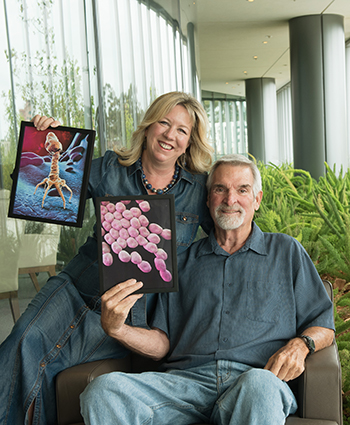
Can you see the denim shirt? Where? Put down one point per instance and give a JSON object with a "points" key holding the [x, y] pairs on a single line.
{"points": [[109, 177], [241, 307]]}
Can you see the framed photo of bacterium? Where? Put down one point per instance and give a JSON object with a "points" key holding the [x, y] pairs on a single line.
{"points": [[51, 174], [136, 239]]}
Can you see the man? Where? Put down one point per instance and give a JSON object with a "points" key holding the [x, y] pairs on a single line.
{"points": [[250, 308]]}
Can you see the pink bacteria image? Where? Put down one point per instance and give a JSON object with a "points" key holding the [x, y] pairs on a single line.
{"points": [[145, 266], [129, 237], [155, 228], [124, 256], [166, 234], [165, 275], [145, 206], [107, 259], [136, 257]]}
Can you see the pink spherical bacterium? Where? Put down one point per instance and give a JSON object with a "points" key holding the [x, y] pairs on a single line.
{"points": [[152, 237], [114, 233], [151, 247], [125, 222], [109, 239], [145, 266], [103, 209], [105, 248], [123, 233], [136, 212], [122, 242], [111, 207], [143, 221], [116, 247], [135, 257], [135, 222], [116, 224], [127, 214], [133, 232], [141, 240], [144, 205], [166, 234], [120, 207], [161, 254], [107, 259], [109, 217], [139, 201], [117, 215], [144, 232], [126, 202], [160, 264], [103, 232], [165, 275], [155, 228], [124, 256], [132, 243], [105, 203], [107, 226]]}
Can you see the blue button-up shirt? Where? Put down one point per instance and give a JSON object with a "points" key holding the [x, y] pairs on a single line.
{"points": [[241, 307]]}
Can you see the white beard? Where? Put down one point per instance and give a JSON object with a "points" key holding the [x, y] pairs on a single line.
{"points": [[228, 222]]}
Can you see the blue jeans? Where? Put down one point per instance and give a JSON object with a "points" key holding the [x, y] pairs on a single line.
{"points": [[222, 392], [58, 330]]}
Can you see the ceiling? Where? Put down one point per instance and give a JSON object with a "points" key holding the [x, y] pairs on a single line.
{"points": [[240, 39]]}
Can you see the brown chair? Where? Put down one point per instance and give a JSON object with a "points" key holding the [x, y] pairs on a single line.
{"points": [[318, 389]]}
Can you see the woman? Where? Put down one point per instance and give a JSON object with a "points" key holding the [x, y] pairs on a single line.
{"points": [[61, 326]]}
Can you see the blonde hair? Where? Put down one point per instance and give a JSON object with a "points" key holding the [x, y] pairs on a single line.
{"points": [[198, 155]]}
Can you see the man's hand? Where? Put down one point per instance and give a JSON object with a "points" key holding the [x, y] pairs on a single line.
{"points": [[289, 361], [116, 304], [41, 122]]}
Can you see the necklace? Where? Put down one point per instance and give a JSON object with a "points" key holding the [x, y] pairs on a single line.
{"points": [[166, 188]]}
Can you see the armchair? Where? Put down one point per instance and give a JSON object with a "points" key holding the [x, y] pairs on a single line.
{"points": [[318, 389]]}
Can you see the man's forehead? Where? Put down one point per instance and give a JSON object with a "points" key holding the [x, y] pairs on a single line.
{"points": [[227, 173]]}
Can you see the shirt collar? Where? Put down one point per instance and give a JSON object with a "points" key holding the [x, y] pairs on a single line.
{"points": [[255, 242], [186, 175]]}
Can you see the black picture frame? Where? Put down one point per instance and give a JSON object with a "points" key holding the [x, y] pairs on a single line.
{"points": [[158, 212], [33, 197]]}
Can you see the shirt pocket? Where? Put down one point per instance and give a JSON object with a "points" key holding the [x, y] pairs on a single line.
{"points": [[263, 301], [186, 228]]}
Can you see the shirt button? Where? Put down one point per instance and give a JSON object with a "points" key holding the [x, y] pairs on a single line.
{"points": [[184, 218], [227, 312], [225, 339]]}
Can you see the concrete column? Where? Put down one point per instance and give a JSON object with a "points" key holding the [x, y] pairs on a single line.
{"points": [[317, 54], [262, 119]]}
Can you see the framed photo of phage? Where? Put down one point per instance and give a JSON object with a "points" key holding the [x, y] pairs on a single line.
{"points": [[137, 239], [51, 174]]}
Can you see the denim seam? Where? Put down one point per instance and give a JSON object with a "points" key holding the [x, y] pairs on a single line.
{"points": [[16, 364], [54, 352]]}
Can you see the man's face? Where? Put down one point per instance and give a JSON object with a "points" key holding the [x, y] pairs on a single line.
{"points": [[231, 201]]}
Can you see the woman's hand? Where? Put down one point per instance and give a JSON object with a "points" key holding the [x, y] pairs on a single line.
{"points": [[41, 122]]}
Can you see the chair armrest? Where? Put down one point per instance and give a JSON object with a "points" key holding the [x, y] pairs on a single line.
{"points": [[319, 387], [71, 382]]}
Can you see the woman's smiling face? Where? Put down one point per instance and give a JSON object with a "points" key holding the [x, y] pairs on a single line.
{"points": [[168, 138]]}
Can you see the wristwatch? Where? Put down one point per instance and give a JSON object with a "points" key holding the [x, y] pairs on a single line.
{"points": [[309, 343]]}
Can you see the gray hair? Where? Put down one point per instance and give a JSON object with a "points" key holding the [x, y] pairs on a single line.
{"points": [[237, 160]]}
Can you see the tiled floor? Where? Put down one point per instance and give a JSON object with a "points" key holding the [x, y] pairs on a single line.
{"points": [[26, 292]]}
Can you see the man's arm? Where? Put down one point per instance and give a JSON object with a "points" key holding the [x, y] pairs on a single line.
{"points": [[289, 361], [115, 306]]}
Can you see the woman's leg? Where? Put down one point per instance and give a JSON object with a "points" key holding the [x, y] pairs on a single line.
{"points": [[56, 331]]}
